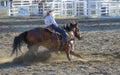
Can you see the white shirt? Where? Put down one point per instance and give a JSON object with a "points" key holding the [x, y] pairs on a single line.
{"points": [[49, 20]]}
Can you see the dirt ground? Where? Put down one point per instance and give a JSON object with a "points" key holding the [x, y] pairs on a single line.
{"points": [[100, 49]]}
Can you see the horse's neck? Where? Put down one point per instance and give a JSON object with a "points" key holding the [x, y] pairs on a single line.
{"points": [[71, 34], [68, 30]]}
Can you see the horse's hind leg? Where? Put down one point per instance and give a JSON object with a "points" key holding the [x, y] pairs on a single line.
{"points": [[75, 54], [33, 49]]}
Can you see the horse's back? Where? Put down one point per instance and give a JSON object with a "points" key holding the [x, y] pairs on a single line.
{"points": [[43, 36], [35, 35], [36, 29], [39, 29], [39, 34]]}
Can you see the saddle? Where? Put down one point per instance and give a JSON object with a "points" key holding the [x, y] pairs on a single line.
{"points": [[52, 30], [49, 28]]}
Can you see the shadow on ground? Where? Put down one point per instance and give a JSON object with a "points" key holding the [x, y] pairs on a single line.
{"points": [[27, 59], [44, 57]]}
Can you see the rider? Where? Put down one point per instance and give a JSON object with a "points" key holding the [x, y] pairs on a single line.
{"points": [[50, 21]]}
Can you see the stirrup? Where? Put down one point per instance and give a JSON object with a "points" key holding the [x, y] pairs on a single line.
{"points": [[70, 40]]}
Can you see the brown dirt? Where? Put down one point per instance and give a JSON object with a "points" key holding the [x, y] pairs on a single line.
{"points": [[100, 51]]}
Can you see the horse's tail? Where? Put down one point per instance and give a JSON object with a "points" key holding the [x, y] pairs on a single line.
{"points": [[18, 41]]}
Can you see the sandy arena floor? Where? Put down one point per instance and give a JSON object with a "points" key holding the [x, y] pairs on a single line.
{"points": [[99, 48]]}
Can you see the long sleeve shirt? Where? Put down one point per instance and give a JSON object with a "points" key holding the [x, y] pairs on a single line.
{"points": [[49, 20]]}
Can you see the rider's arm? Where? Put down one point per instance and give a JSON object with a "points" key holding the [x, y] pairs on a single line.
{"points": [[52, 20]]}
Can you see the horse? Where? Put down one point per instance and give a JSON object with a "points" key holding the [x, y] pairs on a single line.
{"points": [[43, 36]]}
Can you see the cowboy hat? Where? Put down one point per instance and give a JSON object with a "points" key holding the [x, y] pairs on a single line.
{"points": [[50, 9]]}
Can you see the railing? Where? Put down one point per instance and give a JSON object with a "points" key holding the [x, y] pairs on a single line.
{"points": [[103, 9], [14, 8], [69, 9]]}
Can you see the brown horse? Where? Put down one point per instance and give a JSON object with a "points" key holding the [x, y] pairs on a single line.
{"points": [[44, 37]]}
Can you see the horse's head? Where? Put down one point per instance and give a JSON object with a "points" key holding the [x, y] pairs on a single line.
{"points": [[75, 29]]}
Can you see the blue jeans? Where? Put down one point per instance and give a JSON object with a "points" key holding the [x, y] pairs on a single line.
{"points": [[61, 31]]}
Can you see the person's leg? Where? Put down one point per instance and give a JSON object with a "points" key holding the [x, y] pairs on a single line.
{"points": [[61, 31]]}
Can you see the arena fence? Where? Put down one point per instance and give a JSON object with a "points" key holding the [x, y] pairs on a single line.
{"points": [[66, 9]]}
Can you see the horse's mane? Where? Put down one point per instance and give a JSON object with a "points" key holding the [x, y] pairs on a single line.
{"points": [[69, 26]]}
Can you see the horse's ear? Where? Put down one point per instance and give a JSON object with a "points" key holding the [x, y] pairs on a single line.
{"points": [[75, 24], [67, 25], [71, 24]]}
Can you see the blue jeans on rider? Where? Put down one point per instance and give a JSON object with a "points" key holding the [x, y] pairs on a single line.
{"points": [[61, 31]]}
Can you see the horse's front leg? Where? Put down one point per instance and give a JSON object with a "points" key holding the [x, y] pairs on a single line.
{"points": [[68, 55], [72, 48], [72, 51], [68, 48], [75, 54]]}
